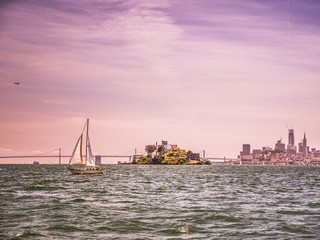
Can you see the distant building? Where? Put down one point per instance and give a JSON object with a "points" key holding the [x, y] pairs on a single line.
{"points": [[267, 149], [169, 147], [137, 158], [316, 154], [256, 152], [291, 149], [174, 147], [247, 158], [166, 146], [280, 146], [291, 137], [98, 160], [300, 146], [246, 149], [304, 146], [245, 154], [193, 156]]}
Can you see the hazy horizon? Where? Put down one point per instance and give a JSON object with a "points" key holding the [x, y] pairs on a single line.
{"points": [[206, 75]]}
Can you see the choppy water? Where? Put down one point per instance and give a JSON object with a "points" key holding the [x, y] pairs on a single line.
{"points": [[160, 202]]}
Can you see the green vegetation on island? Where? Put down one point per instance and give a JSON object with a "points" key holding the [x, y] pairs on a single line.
{"points": [[169, 154]]}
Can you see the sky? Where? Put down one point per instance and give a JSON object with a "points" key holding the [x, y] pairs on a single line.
{"points": [[204, 74]]}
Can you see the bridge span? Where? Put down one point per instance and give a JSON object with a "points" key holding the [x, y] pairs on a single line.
{"points": [[129, 157]]}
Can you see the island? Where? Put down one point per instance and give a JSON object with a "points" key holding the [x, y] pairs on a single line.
{"points": [[169, 154]]}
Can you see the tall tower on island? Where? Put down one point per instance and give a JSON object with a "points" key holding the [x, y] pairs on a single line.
{"points": [[304, 146]]}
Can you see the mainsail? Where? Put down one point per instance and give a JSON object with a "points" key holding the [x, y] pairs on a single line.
{"points": [[89, 158], [76, 157]]}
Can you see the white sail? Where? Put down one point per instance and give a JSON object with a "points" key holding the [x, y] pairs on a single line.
{"points": [[89, 159], [76, 157]]}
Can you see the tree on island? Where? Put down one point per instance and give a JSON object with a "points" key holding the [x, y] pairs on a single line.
{"points": [[160, 149], [150, 148]]}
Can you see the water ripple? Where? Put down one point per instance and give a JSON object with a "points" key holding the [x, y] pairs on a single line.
{"points": [[160, 202]]}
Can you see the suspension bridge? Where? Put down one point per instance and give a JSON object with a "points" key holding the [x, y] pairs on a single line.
{"points": [[56, 153]]}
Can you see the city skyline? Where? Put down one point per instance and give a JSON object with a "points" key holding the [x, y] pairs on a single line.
{"points": [[280, 155], [290, 148], [207, 75]]}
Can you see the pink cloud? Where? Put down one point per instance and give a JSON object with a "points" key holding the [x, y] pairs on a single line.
{"points": [[206, 75]]}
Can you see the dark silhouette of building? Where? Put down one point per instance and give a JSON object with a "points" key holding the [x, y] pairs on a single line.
{"points": [[280, 146], [193, 156], [256, 152], [266, 149], [246, 149], [291, 137], [291, 149], [304, 146], [301, 147], [245, 154]]}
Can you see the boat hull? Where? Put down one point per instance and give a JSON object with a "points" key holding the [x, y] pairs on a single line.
{"points": [[87, 171]]}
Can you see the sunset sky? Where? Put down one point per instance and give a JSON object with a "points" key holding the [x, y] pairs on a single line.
{"points": [[203, 74]]}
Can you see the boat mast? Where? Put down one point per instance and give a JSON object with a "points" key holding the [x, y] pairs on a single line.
{"points": [[87, 140]]}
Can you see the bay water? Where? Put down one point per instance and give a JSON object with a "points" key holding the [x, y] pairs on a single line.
{"points": [[160, 202]]}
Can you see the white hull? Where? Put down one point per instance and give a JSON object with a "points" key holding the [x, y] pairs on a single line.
{"points": [[87, 171]]}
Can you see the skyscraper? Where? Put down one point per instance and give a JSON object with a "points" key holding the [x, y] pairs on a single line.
{"points": [[291, 149], [304, 146], [245, 154], [291, 137], [246, 149]]}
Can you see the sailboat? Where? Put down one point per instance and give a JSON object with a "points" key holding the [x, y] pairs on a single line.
{"points": [[79, 164]]}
